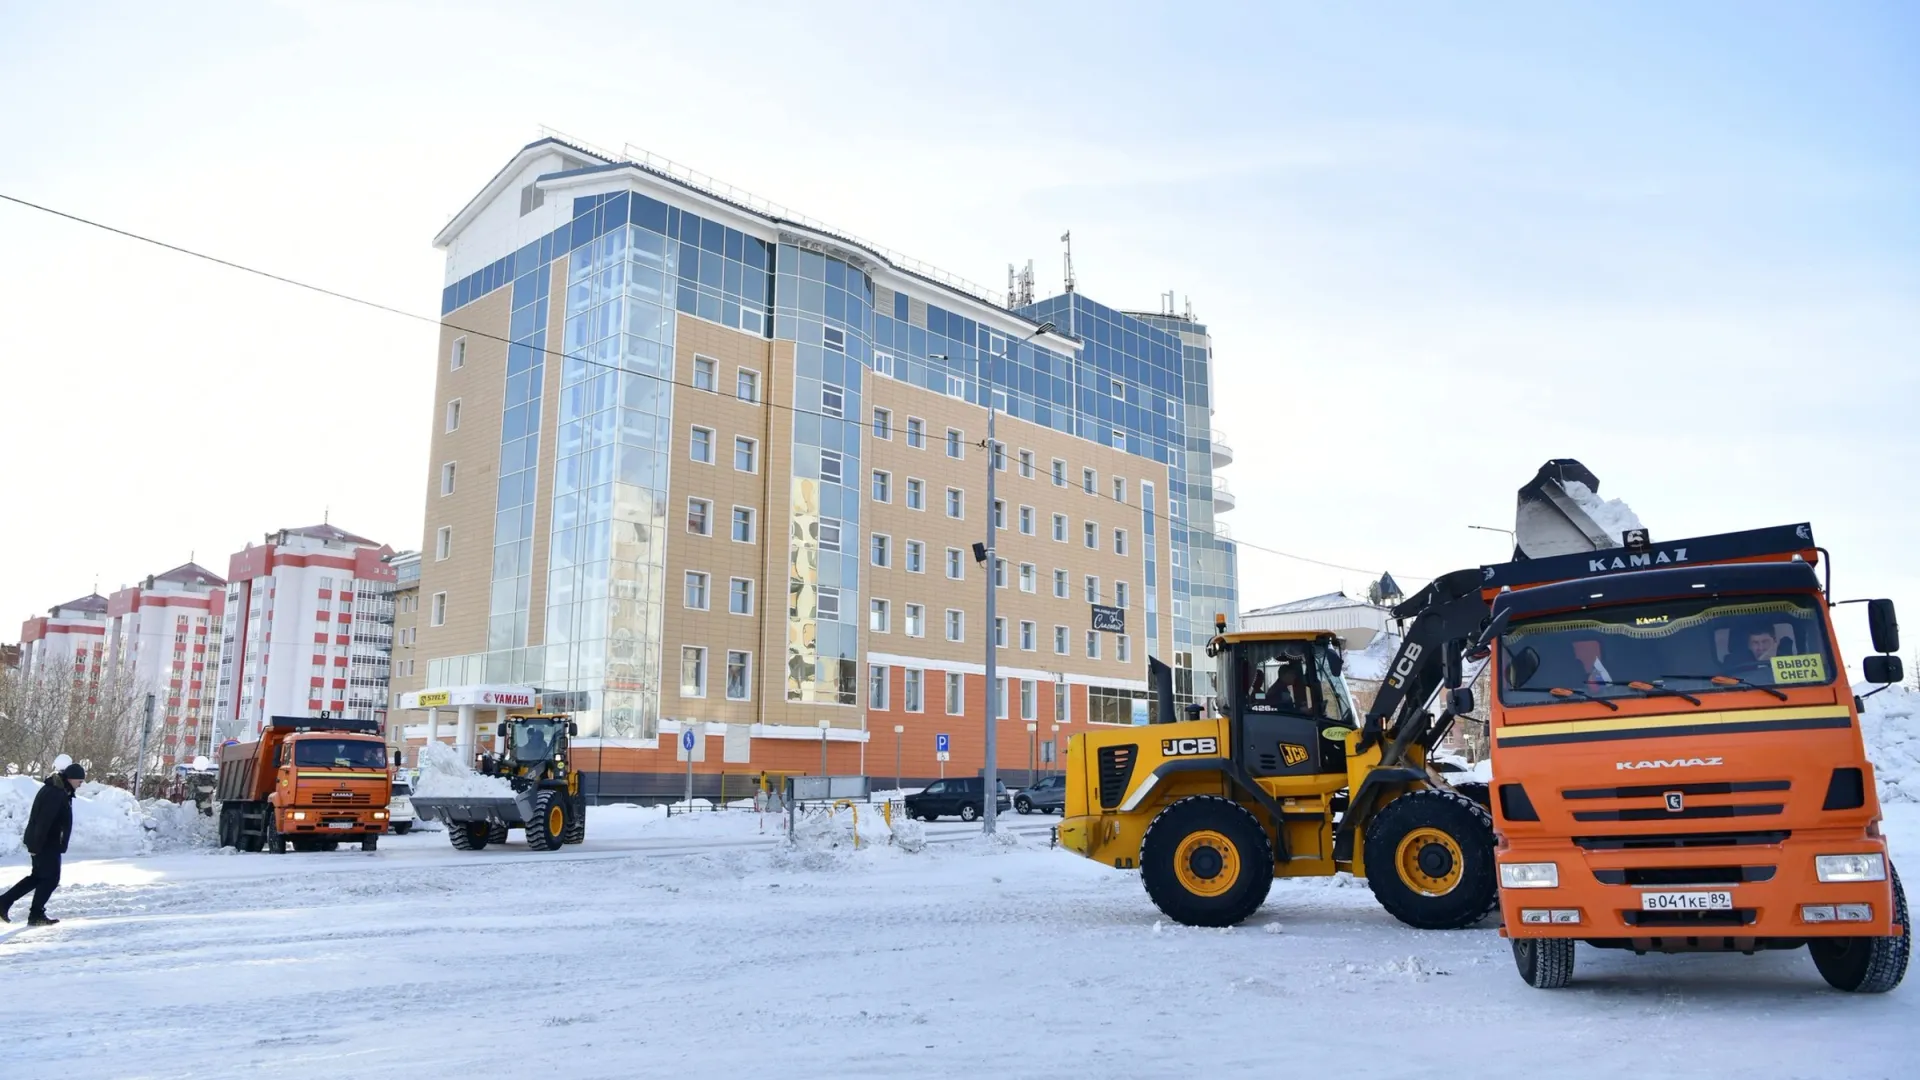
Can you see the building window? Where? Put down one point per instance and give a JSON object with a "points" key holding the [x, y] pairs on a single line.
{"points": [[700, 445], [832, 467], [1000, 633], [1026, 520], [1093, 589], [833, 401], [1027, 695], [916, 621], [739, 675], [706, 374], [743, 525], [956, 503], [829, 534], [828, 604], [1060, 527], [453, 415], [1060, 640], [746, 386], [877, 687], [1119, 490], [1000, 456], [1119, 541], [1000, 698], [1060, 583], [1029, 578], [916, 433], [999, 573], [1091, 534], [745, 454], [916, 494], [740, 596], [956, 388], [700, 517], [1026, 464], [1087, 480], [916, 696], [879, 616], [882, 486], [1119, 594], [999, 513], [693, 671], [446, 478], [834, 338], [956, 567], [439, 611], [916, 557], [882, 424], [457, 356], [1119, 439], [956, 693], [954, 447], [1059, 473], [1120, 647], [883, 364], [882, 550], [1061, 695], [443, 543], [1029, 636], [956, 625], [1093, 644], [696, 590]]}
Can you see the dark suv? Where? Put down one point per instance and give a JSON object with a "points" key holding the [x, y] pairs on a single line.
{"points": [[958, 797], [1047, 795]]}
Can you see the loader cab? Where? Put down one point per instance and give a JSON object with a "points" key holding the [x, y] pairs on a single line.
{"points": [[1286, 700]]}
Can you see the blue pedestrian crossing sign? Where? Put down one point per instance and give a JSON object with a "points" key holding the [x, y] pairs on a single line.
{"points": [[686, 739], [941, 744]]}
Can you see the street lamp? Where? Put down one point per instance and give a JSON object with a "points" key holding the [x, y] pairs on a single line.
{"points": [[1033, 750], [824, 725], [898, 730], [1056, 744]]}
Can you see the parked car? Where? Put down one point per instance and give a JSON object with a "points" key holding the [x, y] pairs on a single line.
{"points": [[960, 796], [400, 808], [1047, 795]]}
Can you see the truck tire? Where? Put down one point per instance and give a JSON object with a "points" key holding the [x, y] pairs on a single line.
{"points": [[1206, 861], [547, 828], [1867, 965], [1430, 860], [370, 842], [1546, 963], [402, 828], [467, 835], [275, 840], [229, 835], [577, 823]]}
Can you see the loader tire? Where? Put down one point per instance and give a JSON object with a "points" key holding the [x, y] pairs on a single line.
{"points": [[1867, 965], [547, 828], [1546, 963], [577, 823], [1206, 861], [468, 835], [1430, 860], [496, 834]]}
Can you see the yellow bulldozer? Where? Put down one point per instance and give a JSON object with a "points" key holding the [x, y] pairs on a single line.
{"points": [[1290, 780]]}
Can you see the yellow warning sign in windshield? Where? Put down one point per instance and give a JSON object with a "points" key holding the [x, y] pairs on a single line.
{"points": [[1799, 669]]}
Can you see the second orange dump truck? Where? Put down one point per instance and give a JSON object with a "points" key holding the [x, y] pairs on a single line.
{"points": [[308, 783]]}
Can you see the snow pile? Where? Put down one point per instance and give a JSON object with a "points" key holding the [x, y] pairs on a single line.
{"points": [[1613, 516], [908, 835], [106, 820], [1891, 727], [179, 825], [444, 775]]}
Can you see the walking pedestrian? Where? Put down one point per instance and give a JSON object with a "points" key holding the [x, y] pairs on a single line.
{"points": [[49, 826]]}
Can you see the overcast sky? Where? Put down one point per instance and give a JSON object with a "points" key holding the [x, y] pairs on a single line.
{"points": [[1436, 244]]}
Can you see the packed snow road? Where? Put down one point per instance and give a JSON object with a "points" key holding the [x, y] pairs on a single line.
{"points": [[701, 946]]}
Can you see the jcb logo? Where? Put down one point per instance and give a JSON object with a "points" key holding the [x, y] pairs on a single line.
{"points": [[1292, 753], [1403, 667], [1189, 747]]}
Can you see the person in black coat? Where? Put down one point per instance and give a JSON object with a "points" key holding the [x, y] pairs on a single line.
{"points": [[49, 826]]}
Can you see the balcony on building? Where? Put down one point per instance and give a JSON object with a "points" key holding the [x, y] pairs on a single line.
{"points": [[1223, 499], [1222, 451]]}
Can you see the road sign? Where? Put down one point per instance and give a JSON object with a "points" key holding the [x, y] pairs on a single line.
{"points": [[942, 744], [686, 739], [941, 755]]}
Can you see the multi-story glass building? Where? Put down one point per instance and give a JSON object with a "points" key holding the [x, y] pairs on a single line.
{"points": [[702, 463]]}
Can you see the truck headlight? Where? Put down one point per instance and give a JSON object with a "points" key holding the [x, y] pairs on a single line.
{"points": [[301, 815], [1850, 867], [379, 814], [1529, 875]]}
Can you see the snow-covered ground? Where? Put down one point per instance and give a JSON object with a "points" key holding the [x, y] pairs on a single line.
{"points": [[702, 945]]}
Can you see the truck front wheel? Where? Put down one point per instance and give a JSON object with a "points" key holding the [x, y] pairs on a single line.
{"points": [[1206, 861], [275, 839], [1546, 963], [1867, 965]]}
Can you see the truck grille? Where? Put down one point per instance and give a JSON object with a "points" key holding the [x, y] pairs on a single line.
{"points": [[1116, 769], [1661, 813], [1688, 919], [1682, 840], [1655, 791], [1685, 875], [349, 798]]}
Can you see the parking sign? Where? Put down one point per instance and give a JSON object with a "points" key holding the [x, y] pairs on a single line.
{"points": [[941, 744]]}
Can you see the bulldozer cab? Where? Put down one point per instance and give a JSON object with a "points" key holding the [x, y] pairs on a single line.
{"points": [[534, 748], [1286, 701]]}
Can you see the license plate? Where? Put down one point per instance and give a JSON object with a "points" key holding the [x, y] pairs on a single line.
{"points": [[339, 824], [1718, 900]]}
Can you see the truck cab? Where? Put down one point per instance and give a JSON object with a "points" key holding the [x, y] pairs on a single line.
{"points": [[1678, 762]]}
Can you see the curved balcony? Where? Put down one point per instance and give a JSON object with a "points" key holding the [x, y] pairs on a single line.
{"points": [[1222, 451], [1223, 499]]}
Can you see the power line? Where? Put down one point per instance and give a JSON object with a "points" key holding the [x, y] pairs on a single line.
{"points": [[542, 349]]}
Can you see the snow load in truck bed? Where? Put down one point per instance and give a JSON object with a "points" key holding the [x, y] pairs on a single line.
{"points": [[443, 775]]}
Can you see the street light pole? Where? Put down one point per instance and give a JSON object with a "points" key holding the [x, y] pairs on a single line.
{"points": [[898, 730], [824, 725]]}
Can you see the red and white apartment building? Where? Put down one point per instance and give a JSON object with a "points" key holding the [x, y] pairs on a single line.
{"points": [[72, 635], [165, 633], [308, 629]]}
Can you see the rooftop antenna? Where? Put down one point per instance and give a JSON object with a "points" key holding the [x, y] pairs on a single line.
{"points": [[1067, 239], [1026, 285], [1189, 309], [1013, 288], [1167, 298]]}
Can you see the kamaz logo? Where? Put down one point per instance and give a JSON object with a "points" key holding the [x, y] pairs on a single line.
{"points": [[1670, 763], [1637, 561], [1403, 667], [1189, 747]]}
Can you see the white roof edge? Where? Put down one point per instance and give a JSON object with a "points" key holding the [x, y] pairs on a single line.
{"points": [[493, 187]]}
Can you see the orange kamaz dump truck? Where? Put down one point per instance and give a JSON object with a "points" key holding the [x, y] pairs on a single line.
{"points": [[308, 782], [1677, 757]]}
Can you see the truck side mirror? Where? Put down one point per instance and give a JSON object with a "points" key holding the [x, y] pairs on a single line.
{"points": [[1460, 700], [1884, 626], [573, 729], [399, 759], [1883, 670]]}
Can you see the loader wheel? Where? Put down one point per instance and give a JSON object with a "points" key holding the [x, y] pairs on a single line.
{"points": [[577, 824], [547, 828], [468, 835], [496, 834], [1430, 860], [1206, 861], [1546, 963], [1867, 965]]}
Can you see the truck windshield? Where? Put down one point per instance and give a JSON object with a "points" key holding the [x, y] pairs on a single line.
{"points": [[340, 754], [1657, 648]]}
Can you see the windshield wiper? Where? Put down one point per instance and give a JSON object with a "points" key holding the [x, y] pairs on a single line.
{"points": [[1732, 680], [1561, 691], [1650, 688]]}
